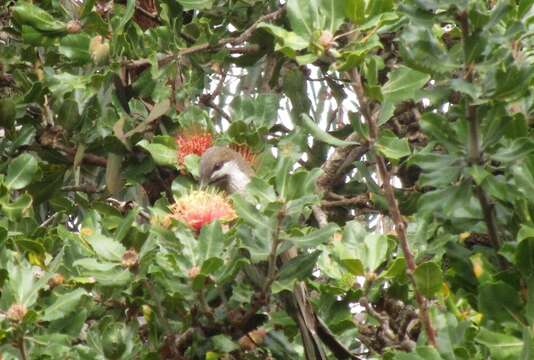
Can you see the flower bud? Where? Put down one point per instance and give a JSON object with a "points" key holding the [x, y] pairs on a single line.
{"points": [[99, 49], [130, 259], [56, 280], [326, 39], [251, 340], [74, 27], [16, 312], [193, 272]]}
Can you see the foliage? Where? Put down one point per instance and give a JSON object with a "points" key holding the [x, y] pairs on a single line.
{"points": [[392, 151]]}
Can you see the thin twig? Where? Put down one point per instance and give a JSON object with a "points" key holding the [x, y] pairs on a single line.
{"points": [[394, 211], [49, 220]]}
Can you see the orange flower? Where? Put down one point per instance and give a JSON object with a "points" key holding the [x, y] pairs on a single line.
{"points": [[193, 141], [202, 207], [245, 151]]}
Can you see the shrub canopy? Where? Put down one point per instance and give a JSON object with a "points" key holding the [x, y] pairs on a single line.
{"points": [[391, 215]]}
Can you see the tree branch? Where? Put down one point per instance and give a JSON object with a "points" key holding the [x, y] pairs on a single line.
{"points": [[400, 226], [208, 46]]}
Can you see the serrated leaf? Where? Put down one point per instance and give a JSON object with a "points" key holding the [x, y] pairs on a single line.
{"points": [[64, 305], [428, 278], [316, 237], [392, 147], [105, 247]]}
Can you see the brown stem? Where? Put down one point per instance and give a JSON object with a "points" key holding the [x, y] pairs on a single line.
{"points": [[474, 151], [393, 206], [22, 348], [361, 200], [208, 46]]}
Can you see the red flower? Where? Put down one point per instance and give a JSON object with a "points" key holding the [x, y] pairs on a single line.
{"points": [[245, 151], [202, 207], [193, 141]]}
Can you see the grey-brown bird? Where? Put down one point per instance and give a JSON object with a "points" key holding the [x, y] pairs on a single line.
{"points": [[226, 169]]}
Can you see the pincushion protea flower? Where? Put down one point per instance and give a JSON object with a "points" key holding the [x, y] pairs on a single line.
{"points": [[193, 140], [200, 208], [245, 151]]}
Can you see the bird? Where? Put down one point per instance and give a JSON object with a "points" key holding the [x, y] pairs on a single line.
{"points": [[227, 170]]}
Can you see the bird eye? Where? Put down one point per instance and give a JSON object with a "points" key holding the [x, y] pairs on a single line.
{"points": [[217, 166]]}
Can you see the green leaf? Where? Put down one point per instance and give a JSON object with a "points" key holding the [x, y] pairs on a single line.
{"points": [[321, 135], [162, 155], [315, 237], [211, 241], [392, 147], [288, 40], [355, 11], [428, 278], [249, 214], [63, 305], [93, 264], [501, 346], [402, 85], [126, 225], [283, 167], [518, 149], [396, 270], [21, 171], [105, 247], [499, 301], [304, 17], [529, 311], [528, 344], [128, 13], [76, 48], [525, 255], [20, 207], [354, 266], [196, 4], [223, 343], [192, 164], [26, 13], [261, 110], [299, 267], [375, 250]]}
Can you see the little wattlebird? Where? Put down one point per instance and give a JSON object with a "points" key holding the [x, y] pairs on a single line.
{"points": [[226, 169]]}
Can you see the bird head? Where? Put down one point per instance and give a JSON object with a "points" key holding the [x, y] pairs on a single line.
{"points": [[224, 168]]}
